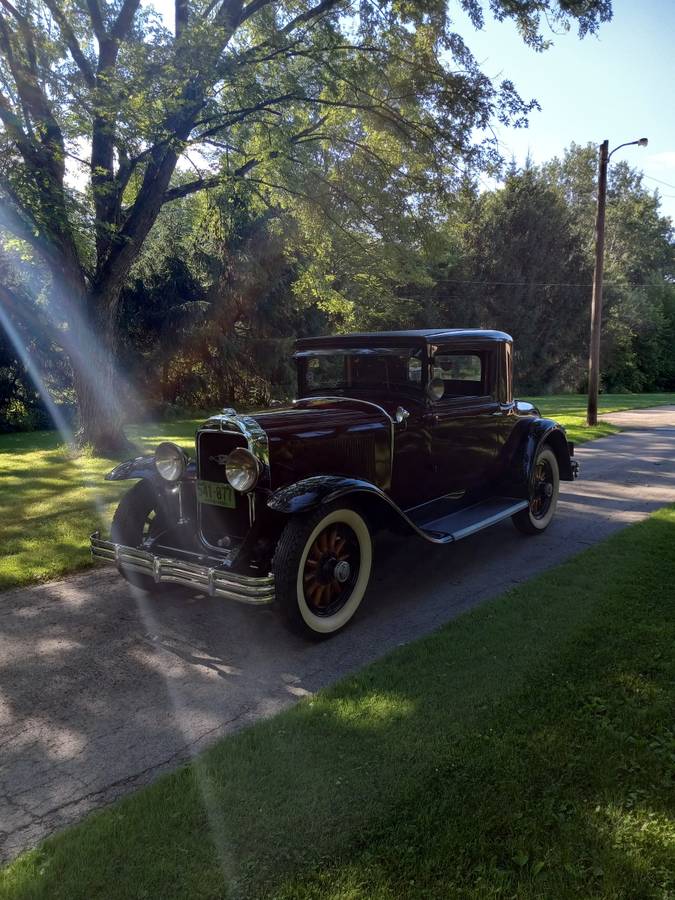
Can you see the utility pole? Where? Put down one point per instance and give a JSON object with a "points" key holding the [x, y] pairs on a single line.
{"points": [[596, 301]]}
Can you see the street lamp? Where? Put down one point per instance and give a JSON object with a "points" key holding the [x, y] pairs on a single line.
{"points": [[596, 302]]}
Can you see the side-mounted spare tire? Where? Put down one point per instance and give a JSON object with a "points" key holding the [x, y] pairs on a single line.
{"points": [[322, 567]]}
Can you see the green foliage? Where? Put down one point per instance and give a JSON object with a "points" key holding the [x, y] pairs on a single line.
{"points": [[525, 272], [362, 116], [639, 290]]}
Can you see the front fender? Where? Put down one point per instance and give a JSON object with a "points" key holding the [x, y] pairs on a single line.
{"points": [[381, 509], [318, 489], [144, 467], [140, 467]]}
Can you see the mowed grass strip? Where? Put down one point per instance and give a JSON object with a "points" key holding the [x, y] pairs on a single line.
{"points": [[51, 501], [524, 750], [570, 411]]}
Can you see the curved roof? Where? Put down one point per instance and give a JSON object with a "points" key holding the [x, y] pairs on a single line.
{"points": [[412, 336]]}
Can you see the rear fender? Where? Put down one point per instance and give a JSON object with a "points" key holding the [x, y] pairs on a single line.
{"points": [[529, 439]]}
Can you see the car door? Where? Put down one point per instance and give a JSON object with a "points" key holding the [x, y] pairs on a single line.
{"points": [[465, 422]]}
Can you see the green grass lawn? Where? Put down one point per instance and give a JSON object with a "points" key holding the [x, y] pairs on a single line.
{"points": [[524, 750], [570, 411], [51, 502]]}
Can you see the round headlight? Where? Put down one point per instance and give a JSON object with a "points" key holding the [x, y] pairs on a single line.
{"points": [[242, 470], [170, 461]]}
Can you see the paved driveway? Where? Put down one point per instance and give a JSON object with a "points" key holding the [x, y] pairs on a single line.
{"points": [[101, 691]]}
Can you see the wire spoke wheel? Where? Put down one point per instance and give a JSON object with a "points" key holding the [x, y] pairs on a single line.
{"points": [[331, 569]]}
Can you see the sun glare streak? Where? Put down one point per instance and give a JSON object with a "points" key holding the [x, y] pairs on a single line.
{"points": [[181, 716], [145, 613], [56, 415], [72, 332]]}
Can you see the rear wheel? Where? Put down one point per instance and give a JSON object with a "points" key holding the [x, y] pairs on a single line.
{"points": [[544, 491], [322, 568], [136, 519]]}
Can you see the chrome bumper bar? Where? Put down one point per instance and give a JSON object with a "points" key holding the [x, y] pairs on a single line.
{"points": [[209, 580]]}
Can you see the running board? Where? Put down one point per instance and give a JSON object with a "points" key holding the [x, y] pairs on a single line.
{"points": [[471, 519]]}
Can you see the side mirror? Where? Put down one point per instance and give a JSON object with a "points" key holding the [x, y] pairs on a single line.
{"points": [[436, 389]]}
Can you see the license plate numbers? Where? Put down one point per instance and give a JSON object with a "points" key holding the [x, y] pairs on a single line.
{"points": [[215, 494]]}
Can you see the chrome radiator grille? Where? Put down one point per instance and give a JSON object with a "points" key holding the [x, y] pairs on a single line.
{"points": [[218, 522]]}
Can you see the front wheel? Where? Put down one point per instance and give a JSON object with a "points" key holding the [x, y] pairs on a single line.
{"points": [[137, 519], [321, 569], [544, 491]]}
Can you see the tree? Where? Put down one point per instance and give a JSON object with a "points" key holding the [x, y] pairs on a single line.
{"points": [[639, 267], [248, 83], [524, 272]]}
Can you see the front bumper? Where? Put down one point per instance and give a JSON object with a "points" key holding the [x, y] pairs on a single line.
{"points": [[213, 580]]}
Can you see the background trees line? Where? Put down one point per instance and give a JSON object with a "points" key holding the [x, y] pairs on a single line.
{"points": [[110, 113], [178, 198], [226, 281]]}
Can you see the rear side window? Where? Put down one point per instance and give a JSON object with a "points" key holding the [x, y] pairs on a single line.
{"points": [[463, 374]]}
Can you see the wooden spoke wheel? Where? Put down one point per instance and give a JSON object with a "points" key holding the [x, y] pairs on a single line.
{"points": [[321, 569], [331, 569], [544, 489]]}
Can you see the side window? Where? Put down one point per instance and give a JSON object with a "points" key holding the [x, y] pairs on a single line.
{"points": [[464, 374], [505, 388]]}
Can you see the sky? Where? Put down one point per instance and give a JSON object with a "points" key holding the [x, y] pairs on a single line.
{"points": [[618, 85]]}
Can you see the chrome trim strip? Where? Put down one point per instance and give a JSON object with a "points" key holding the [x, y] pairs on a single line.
{"points": [[212, 580]]}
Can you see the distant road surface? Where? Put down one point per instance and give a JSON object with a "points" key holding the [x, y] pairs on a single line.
{"points": [[101, 691]]}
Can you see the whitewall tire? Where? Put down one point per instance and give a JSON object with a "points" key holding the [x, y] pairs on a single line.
{"points": [[322, 567]]}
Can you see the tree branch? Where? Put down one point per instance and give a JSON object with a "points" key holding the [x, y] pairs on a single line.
{"points": [[192, 187], [124, 20], [24, 27], [252, 8], [71, 40], [29, 151], [96, 20], [36, 106], [308, 15], [200, 184]]}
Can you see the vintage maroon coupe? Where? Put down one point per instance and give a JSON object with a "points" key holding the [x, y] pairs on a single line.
{"points": [[416, 431]]}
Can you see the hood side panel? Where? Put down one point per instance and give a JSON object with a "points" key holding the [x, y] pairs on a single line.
{"points": [[341, 439]]}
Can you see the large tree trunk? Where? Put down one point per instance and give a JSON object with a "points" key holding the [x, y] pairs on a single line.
{"points": [[99, 387]]}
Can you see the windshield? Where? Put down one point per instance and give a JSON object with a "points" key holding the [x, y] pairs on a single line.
{"points": [[354, 369]]}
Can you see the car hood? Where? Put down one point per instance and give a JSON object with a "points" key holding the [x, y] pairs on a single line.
{"points": [[318, 414]]}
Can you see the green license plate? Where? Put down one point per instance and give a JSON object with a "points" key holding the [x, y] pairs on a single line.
{"points": [[216, 494]]}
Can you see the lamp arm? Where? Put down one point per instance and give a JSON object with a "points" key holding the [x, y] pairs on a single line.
{"points": [[627, 144]]}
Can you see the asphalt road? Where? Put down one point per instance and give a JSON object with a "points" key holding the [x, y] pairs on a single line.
{"points": [[102, 691]]}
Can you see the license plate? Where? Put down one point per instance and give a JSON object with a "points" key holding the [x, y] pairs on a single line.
{"points": [[215, 494]]}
